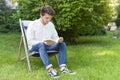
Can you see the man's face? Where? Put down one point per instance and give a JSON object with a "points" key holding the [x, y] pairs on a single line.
{"points": [[46, 18]]}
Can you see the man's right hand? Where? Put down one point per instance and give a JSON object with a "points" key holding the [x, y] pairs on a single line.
{"points": [[48, 43]]}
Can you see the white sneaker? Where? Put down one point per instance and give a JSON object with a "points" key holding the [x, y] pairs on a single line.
{"points": [[66, 70], [53, 74]]}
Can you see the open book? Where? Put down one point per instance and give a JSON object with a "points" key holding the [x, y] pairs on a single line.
{"points": [[50, 41]]}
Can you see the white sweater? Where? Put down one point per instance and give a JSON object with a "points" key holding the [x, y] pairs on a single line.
{"points": [[37, 32]]}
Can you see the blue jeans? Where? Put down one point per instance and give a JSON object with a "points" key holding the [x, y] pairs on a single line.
{"points": [[42, 49]]}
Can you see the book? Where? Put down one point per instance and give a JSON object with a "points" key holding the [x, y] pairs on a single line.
{"points": [[50, 41]]}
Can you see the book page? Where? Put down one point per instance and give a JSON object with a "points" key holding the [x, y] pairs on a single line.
{"points": [[50, 41]]}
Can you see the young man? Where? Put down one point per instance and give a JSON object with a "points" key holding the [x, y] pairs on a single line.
{"points": [[41, 30]]}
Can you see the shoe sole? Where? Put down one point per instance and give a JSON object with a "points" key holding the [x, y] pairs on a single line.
{"points": [[56, 77]]}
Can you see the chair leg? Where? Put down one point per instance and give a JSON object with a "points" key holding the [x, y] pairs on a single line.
{"points": [[26, 52], [30, 54], [19, 50], [19, 54], [56, 56], [29, 65]]}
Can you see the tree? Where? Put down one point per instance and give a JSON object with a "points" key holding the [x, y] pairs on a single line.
{"points": [[73, 18], [6, 21], [117, 20]]}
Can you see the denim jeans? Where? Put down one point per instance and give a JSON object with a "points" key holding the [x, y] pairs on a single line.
{"points": [[42, 49]]}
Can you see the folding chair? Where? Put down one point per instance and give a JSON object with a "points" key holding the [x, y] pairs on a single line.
{"points": [[23, 25]]}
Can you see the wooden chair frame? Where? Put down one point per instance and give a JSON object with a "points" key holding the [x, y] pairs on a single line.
{"points": [[23, 40]]}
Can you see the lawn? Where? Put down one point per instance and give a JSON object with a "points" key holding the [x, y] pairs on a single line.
{"points": [[94, 58]]}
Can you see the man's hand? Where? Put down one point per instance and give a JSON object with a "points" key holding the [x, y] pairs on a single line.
{"points": [[48, 43], [60, 40]]}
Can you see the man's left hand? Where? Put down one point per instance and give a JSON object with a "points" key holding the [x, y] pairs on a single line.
{"points": [[60, 40]]}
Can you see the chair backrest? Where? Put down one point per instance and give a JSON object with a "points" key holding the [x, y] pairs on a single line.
{"points": [[24, 25]]}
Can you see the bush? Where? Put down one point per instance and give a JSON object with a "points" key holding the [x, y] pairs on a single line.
{"points": [[73, 18], [117, 20], [7, 23], [116, 33]]}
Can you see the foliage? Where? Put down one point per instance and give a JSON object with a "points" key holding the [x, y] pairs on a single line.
{"points": [[73, 18], [116, 33], [117, 21], [7, 23]]}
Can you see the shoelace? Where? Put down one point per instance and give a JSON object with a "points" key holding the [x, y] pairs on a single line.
{"points": [[65, 70]]}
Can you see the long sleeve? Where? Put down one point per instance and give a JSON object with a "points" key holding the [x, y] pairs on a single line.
{"points": [[37, 32], [55, 36], [31, 36]]}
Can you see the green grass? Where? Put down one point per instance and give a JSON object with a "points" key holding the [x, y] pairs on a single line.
{"points": [[94, 58]]}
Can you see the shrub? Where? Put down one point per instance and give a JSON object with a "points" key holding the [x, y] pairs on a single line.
{"points": [[7, 23], [73, 18], [117, 20]]}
